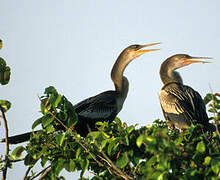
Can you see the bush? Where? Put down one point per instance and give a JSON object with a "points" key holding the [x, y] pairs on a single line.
{"points": [[119, 151]]}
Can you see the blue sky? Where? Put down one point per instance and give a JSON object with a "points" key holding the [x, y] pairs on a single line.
{"points": [[73, 45]]}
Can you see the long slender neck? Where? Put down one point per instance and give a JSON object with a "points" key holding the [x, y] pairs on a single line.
{"points": [[125, 88], [123, 94], [118, 70], [168, 74]]}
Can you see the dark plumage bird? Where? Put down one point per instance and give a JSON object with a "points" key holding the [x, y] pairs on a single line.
{"points": [[104, 106], [181, 104]]}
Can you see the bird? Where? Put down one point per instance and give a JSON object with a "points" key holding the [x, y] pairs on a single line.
{"points": [[106, 105], [182, 106]]}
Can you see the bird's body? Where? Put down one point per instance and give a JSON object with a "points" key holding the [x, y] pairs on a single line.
{"points": [[102, 107], [106, 105], [181, 104]]}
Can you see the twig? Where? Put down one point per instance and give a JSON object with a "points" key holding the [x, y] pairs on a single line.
{"points": [[45, 171], [92, 173], [122, 174], [111, 164], [104, 160], [40, 172], [7, 145], [13, 161], [26, 173], [214, 112], [73, 135]]}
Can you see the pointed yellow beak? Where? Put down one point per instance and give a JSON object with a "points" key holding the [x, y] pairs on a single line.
{"points": [[140, 52], [191, 60]]}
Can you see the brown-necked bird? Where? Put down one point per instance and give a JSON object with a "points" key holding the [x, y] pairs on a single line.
{"points": [[106, 105], [181, 104]]}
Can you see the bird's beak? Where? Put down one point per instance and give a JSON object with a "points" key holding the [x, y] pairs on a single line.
{"points": [[140, 52], [191, 60]]}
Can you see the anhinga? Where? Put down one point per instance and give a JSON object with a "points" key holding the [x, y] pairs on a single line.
{"points": [[106, 105], [181, 104]]}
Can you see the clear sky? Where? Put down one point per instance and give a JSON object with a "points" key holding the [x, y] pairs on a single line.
{"points": [[73, 45]]}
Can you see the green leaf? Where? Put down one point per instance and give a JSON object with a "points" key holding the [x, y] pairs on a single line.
{"points": [[118, 121], [208, 98], [157, 175], [178, 140], [2, 64], [207, 160], [130, 129], [103, 143], [151, 140], [151, 161], [111, 146], [72, 121], [5, 105], [78, 152], [95, 134], [84, 167], [17, 152], [43, 161], [50, 90], [127, 140], [58, 100], [122, 160], [5, 76], [58, 165], [99, 123], [161, 176], [50, 129], [37, 122], [29, 160], [215, 165], [200, 147], [60, 139], [163, 163], [70, 166], [140, 140], [5, 72], [47, 120]]}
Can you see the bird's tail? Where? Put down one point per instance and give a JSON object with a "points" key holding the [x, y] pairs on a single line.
{"points": [[19, 138]]}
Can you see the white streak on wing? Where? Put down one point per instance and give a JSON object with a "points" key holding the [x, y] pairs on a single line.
{"points": [[168, 102], [96, 113]]}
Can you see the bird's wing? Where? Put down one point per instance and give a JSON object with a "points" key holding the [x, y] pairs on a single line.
{"points": [[101, 106], [198, 104], [177, 104]]}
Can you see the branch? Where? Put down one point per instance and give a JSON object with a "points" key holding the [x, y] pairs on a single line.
{"points": [[45, 173], [7, 145], [111, 164], [26, 173], [216, 118], [13, 161], [122, 174], [48, 167], [74, 137]]}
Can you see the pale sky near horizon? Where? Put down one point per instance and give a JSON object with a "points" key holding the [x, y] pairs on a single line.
{"points": [[72, 45]]}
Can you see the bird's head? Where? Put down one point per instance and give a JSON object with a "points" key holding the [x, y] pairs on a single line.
{"points": [[180, 60], [136, 50]]}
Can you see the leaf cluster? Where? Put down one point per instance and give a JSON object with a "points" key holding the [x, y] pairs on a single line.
{"points": [[118, 151], [5, 70]]}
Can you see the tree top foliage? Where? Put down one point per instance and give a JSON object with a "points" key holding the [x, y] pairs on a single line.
{"points": [[115, 150], [119, 151]]}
